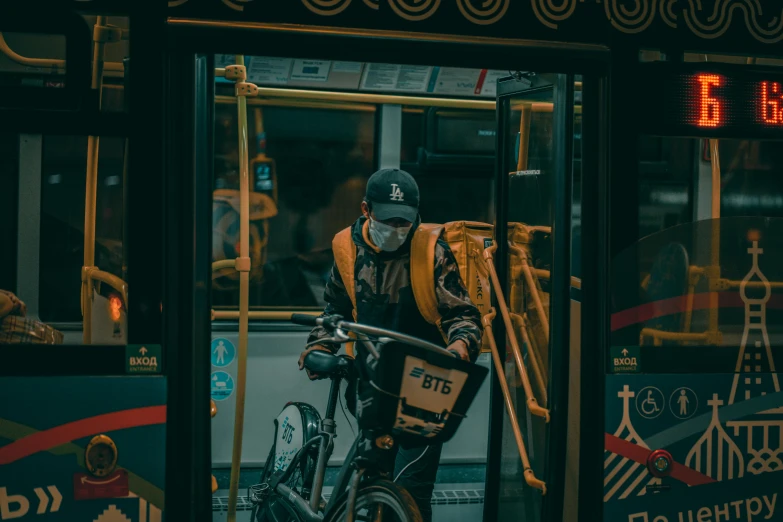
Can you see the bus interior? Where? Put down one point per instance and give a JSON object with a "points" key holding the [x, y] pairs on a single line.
{"points": [[315, 131]]}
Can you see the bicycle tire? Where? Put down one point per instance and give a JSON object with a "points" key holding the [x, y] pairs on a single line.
{"points": [[380, 491], [275, 509]]}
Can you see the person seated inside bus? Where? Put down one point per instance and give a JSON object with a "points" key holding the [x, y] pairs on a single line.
{"points": [[384, 298], [17, 328]]}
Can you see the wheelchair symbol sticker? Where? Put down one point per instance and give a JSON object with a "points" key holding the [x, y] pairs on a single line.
{"points": [[222, 386], [650, 402]]}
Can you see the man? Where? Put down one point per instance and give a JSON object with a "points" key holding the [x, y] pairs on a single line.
{"points": [[384, 298]]}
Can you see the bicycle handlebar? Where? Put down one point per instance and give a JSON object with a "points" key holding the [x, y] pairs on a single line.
{"points": [[334, 322]]}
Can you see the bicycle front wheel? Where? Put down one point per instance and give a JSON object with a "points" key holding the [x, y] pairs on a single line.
{"points": [[379, 500]]}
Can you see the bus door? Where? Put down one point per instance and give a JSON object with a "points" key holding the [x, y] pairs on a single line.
{"points": [[693, 407], [83, 378], [539, 314]]}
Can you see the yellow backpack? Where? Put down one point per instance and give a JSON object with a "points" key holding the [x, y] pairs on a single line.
{"points": [[467, 240], [528, 304]]}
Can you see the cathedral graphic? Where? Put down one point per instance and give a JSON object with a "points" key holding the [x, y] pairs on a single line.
{"points": [[734, 448]]}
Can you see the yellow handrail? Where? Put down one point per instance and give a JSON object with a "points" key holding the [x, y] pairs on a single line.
{"points": [[223, 263], [91, 190], [92, 273], [528, 273], [662, 335], [534, 359], [51, 63], [530, 476], [546, 274], [233, 315], [243, 264], [532, 404], [715, 245]]}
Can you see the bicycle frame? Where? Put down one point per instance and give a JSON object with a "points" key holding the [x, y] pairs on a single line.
{"points": [[310, 510], [350, 473]]}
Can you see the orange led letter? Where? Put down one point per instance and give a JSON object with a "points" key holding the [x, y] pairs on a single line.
{"points": [[709, 107], [771, 107]]}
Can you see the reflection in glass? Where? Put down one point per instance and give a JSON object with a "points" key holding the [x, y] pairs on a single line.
{"points": [[679, 284], [450, 152], [530, 166], [309, 168]]}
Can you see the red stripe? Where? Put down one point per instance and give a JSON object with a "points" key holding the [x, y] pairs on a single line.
{"points": [[639, 454], [53, 437], [480, 82], [677, 305]]}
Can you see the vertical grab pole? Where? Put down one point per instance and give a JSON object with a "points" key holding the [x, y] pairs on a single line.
{"points": [[243, 266], [91, 188], [714, 271]]}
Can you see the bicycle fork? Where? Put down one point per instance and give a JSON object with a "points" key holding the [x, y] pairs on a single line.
{"points": [[327, 433], [352, 493]]}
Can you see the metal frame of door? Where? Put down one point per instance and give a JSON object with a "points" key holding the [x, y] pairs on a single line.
{"points": [[188, 37], [594, 145], [562, 185]]}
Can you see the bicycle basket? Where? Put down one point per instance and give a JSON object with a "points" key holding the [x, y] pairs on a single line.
{"points": [[418, 396]]}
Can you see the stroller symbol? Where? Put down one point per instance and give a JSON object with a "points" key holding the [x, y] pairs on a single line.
{"points": [[649, 402]]}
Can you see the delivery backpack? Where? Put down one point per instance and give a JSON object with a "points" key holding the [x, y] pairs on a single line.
{"points": [[467, 240]]}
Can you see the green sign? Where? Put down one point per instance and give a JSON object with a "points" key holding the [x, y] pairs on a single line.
{"points": [[143, 358], [626, 359]]}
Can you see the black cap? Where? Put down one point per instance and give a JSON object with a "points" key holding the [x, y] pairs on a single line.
{"points": [[393, 193]]}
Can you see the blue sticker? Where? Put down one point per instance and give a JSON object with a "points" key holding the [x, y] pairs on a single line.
{"points": [[222, 386], [222, 352]]}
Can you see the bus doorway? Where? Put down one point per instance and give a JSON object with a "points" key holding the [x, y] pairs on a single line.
{"points": [[313, 127]]}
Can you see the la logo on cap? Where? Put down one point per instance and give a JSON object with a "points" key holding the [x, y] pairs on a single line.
{"points": [[396, 193]]}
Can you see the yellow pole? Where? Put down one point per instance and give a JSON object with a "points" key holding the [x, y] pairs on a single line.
{"points": [[530, 476], [243, 265], [91, 190], [714, 273]]}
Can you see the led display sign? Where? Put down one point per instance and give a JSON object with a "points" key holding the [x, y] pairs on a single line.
{"points": [[713, 102]]}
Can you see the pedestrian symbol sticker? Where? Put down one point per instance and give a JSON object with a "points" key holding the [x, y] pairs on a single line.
{"points": [[683, 403], [650, 402], [222, 386], [223, 352]]}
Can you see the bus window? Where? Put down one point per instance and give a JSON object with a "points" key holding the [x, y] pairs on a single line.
{"points": [[38, 60], [62, 188], [708, 215], [308, 167], [665, 175], [45, 202], [450, 152]]}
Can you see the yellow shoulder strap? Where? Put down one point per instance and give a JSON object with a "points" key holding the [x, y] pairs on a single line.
{"points": [[423, 270], [344, 251]]}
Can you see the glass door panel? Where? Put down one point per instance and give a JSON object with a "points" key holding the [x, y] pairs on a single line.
{"points": [[535, 121]]}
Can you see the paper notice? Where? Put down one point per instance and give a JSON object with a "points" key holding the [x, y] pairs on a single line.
{"points": [[380, 76], [347, 67], [413, 78], [310, 70], [264, 70], [453, 80]]}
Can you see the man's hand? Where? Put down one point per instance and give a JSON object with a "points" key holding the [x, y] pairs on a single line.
{"points": [[461, 347], [312, 376]]}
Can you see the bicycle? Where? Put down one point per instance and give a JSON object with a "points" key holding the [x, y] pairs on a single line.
{"points": [[408, 391]]}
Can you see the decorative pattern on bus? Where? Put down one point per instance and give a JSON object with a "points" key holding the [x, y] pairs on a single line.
{"points": [[703, 20]]}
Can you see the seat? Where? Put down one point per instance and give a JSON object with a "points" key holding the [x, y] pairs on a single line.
{"points": [[326, 364]]}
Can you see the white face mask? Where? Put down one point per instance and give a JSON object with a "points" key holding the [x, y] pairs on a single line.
{"points": [[387, 237]]}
